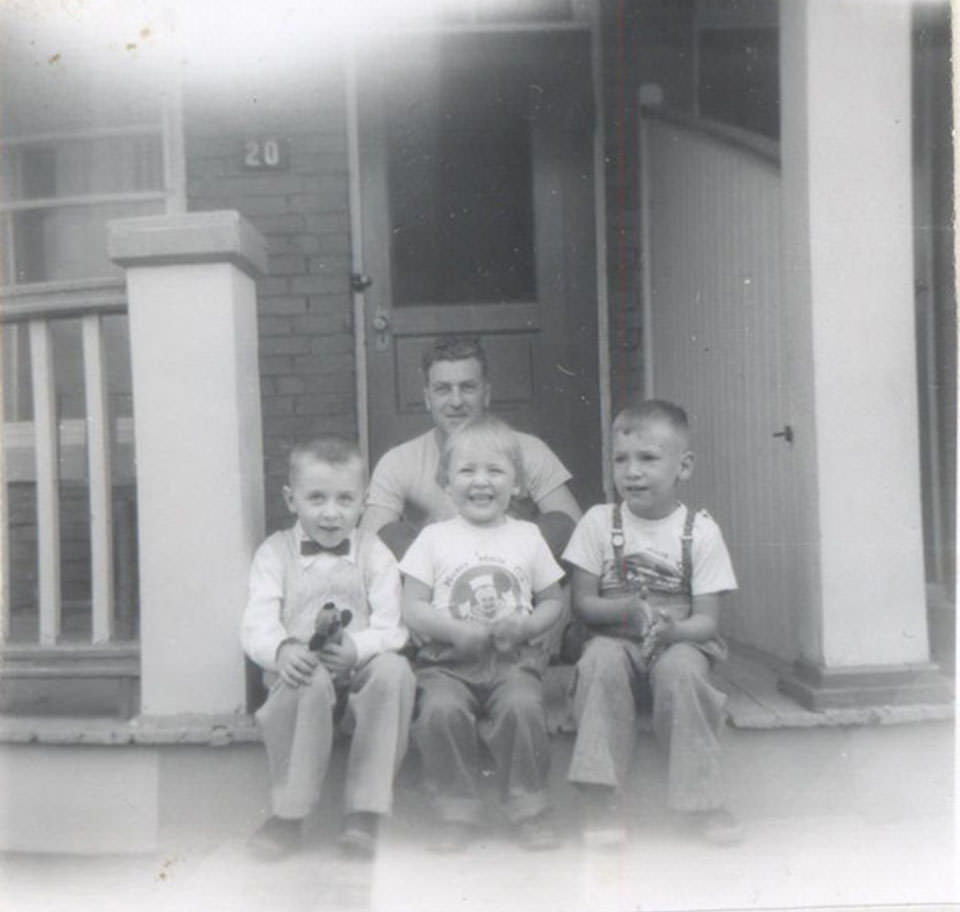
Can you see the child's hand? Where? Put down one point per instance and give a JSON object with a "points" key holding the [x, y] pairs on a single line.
{"points": [[643, 616], [296, 663], [470, 639], [664, 628], [508, 633], [339, 658]]}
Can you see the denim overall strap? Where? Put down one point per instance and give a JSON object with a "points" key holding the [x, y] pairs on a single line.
{"points": [[617, 542], [686, 543]]}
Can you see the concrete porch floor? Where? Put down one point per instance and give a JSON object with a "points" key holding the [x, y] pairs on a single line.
{"points": [[839, 813], [835, 818]]}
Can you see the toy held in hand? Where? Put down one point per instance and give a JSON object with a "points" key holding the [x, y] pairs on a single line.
{"points": [[329, 625]]}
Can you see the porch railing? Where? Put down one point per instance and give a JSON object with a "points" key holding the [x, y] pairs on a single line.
{"points": [[58, 654]]}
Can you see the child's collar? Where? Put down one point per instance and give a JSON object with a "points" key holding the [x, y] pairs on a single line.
{"points": [[626, 511]]}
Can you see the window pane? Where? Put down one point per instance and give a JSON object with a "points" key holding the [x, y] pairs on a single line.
{"points": [[740, 79], [461, 190], [82, 167], [70, 242]]}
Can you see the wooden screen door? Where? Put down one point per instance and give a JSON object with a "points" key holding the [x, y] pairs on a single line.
{"points": [[477, 188]]}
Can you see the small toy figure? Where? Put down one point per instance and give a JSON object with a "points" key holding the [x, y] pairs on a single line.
{"points": [[329, 626]]}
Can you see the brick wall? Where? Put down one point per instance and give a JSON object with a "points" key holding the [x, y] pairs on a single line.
{"points": [[307, 369], [306, 340]]}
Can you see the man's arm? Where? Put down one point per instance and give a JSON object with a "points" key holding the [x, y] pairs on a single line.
{"points": [[376, 517], [385, 493], [560, 500]]}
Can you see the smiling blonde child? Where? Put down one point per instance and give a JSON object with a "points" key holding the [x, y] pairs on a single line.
{"points": [[480, 591]]}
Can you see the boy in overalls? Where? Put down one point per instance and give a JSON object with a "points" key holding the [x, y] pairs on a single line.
{"points": [[648, 576]]}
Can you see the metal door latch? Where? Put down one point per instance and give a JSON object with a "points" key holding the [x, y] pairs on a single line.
{"points": [[381, 328], [360, 281]]}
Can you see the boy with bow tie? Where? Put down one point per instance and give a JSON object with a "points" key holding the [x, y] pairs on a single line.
{"points": [[324, 558]]}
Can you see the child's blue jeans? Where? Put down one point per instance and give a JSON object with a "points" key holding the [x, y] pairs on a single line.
{"points": [[687, 719], [507, 714]]}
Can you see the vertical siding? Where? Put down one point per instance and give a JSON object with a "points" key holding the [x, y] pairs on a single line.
{"points": [[716, 347]]}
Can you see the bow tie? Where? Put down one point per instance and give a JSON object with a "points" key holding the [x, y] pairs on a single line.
{"points": [[308, 547]]}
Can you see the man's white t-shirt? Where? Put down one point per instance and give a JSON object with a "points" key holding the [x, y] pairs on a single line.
{"points": [[405, 479]]}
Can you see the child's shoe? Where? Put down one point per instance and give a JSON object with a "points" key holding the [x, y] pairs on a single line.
{"points": [[718, 827], [276, 838], [453, 836], [601, 819], [359, 835], [537, 834]]}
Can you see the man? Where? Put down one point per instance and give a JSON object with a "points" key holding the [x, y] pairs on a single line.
{"points": [[404, 493]]}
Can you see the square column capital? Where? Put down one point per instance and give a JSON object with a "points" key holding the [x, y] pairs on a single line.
{"points": [[195, 237]]}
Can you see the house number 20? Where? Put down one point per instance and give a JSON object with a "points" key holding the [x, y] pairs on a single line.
{"points": [[265, 154]]}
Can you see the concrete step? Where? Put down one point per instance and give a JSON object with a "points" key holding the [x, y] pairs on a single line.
{"points": [[165, 794]]}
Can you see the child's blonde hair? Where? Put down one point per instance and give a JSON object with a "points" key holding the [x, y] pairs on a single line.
{"points": [[485, 431]]}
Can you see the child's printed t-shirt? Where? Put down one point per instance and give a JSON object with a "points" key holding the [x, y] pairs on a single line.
{"points": [[653, 555], [481, 574]]}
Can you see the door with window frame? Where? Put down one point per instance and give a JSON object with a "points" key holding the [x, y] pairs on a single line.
{"points": [[477, 203]]}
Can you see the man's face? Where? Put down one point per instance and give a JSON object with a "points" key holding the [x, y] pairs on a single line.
{"points": [[455, 391]]}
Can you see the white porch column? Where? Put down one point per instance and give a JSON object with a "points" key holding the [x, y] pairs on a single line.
{"points": [[193, 339], [846, 152]]}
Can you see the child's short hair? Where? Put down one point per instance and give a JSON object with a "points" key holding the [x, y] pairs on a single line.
{"points": [[632, 417], [453, 348], [331, 449], [483, 431]]}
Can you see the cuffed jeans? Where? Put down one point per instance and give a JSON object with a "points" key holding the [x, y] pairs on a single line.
{"points": [[297, 725], [687, 719], [507, 714]]}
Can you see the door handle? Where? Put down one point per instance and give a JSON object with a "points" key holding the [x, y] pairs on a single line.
{"points": [[786, 433], [381, 330]]}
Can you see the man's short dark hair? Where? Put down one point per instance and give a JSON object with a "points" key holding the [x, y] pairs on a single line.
{"points": [[453, 348]]}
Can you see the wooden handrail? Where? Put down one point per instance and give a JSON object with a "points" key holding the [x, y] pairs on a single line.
{"points": [[62, 299]]}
